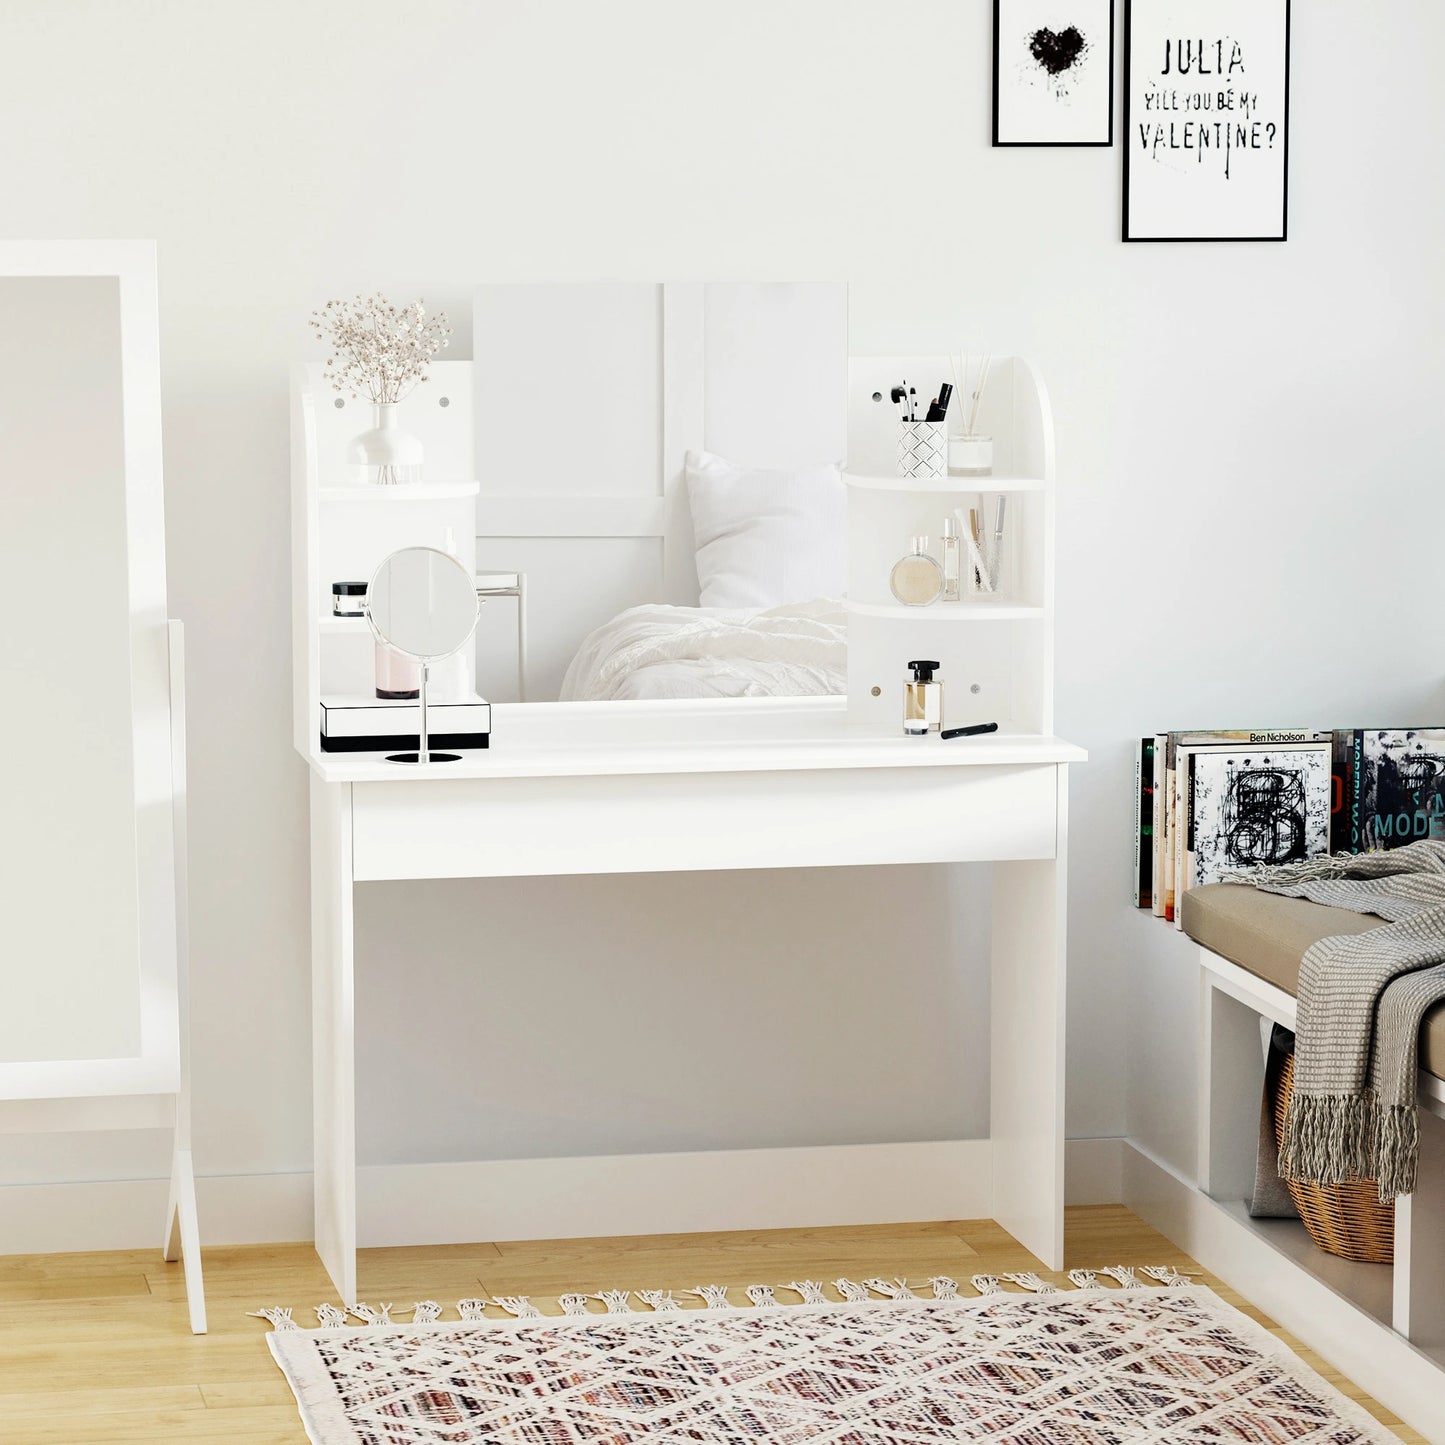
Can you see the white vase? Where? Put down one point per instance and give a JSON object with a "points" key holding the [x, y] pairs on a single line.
{"points": [[385, 455]]}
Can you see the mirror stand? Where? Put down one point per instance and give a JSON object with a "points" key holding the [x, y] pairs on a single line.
{"points": [[423, 753]]}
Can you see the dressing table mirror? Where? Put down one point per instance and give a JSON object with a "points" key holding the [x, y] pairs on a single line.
{"points": [[92, 881], [423, 604]]}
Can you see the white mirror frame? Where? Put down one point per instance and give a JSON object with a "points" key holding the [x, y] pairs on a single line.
{"points": [[157, 1067]]}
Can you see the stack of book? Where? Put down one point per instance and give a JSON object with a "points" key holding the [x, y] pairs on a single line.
{"points": [[1210, 802]]}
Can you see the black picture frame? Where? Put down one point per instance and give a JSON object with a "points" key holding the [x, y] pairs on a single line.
{"points": [[1129, 173], [998, 139]]}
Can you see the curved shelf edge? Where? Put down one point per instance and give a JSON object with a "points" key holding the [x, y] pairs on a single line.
{"points": [[949, 611], [401, 492], [946, 484]]}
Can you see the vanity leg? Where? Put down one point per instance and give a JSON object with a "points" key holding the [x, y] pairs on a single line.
{"points": [[1027, 1042], [1420, 1244], [333, 1044]]}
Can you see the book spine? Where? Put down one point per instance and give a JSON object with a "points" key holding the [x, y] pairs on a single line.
{"points": [[1138, 832], [1355, 792], [1158, 836], [1171, 815], [1340, 744], [1259, 737], [1181, 833], [1146, 827]]}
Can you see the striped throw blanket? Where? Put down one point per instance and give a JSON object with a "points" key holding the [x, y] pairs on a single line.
{"points": [[1361, 1002]]}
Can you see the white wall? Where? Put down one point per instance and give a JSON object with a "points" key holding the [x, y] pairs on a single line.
{"points": [[1249, 436]]}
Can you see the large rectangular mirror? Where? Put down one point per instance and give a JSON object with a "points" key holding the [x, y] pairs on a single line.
{"points": [[88, 970], [661, 462]]}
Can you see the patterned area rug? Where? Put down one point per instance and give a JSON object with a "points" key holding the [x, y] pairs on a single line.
{"points": [[1084, 1366]]}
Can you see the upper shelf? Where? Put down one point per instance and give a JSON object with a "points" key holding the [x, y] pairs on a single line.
{"points": [[949, 483], [399, 492]]}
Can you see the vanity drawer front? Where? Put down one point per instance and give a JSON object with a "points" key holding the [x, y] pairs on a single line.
{"points": [[516, 827]]}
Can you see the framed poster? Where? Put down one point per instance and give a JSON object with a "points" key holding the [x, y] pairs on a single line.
{"points": [[1206, 120], [1053, 72]]}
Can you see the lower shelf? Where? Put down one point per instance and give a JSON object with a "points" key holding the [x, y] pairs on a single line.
{"points": [[1369, 1287]]}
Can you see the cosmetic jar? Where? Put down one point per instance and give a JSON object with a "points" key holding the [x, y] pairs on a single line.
{"points": [[348, 599], [397, 676]]}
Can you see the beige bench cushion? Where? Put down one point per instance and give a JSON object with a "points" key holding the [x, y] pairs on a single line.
{"points": [[1269, 935]]}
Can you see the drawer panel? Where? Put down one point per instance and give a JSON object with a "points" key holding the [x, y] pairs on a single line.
{"points": [[514, 827]]}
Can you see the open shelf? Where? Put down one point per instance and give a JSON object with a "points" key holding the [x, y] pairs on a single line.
{"points": [[1369, 1287], [1000, 611], [400, 492], [343, 626], [948, 484]]}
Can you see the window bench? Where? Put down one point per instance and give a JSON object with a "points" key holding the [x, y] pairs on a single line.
{"points": [[1251, 946]]}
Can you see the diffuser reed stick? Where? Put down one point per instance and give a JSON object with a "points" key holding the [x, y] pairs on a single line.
{"points": [[973, 394]]}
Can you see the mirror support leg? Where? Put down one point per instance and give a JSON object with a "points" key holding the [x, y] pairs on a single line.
{"points": [[183, 1235]]}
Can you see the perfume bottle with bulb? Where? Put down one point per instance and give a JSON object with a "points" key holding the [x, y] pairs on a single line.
{"points": [[917, 579]]}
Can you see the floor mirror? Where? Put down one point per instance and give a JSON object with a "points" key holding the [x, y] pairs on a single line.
{"points": [[92, 806]]}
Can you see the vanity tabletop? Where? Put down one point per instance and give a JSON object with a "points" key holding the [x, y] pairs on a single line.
{"points": [[593, 739]]}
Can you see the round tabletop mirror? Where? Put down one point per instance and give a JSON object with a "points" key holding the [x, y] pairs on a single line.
{"points": [[423, 603]]}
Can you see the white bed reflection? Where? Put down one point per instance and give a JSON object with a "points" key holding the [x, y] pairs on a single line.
{"points": [[659, 651]]}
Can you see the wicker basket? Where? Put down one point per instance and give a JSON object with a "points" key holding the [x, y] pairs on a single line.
{"points": [[1347, 1220]]}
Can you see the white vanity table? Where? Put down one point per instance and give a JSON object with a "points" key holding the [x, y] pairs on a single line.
{"points": [[617, 787]]}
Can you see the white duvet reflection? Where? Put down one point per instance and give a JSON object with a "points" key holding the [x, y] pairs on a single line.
{"points": [[659, 651]]}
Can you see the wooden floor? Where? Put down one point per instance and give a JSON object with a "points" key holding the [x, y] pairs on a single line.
{"points": [[95, 1347]]}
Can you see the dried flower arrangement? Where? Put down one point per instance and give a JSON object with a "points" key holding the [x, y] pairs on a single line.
{"points": [[379, 350]]}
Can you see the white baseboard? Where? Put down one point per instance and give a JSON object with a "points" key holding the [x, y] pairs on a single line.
{"points": [[1093, 1171], [559, 1198], [1377, 1359], [130, 1213], [674, 1193]]}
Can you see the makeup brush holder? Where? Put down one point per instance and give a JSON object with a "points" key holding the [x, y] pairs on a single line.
{"points": [[923, 449], [986, 573], [979, 572]]}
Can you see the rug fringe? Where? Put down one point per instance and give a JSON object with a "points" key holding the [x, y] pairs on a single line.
{"points": [[890, 1288], [520, 1307], [1123, 1274], [715, 1297], [1035, 1284]]}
